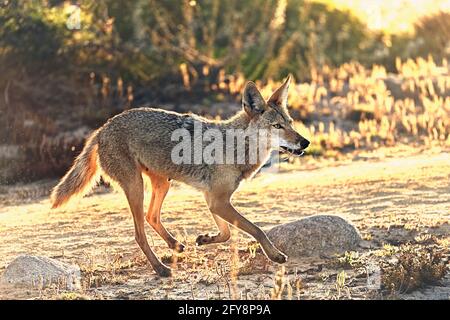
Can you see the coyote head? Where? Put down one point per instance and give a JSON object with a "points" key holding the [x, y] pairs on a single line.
{"points": [[273, 116]]}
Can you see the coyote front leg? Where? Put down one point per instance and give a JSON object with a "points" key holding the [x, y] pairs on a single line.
{"points": [[220, 205]]}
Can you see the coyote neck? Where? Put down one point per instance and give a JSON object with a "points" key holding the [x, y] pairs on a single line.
{"points": [[242, 121], [239, 121]]}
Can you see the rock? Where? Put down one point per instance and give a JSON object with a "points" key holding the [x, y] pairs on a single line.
{"points": [[315, 236], [42, 271]]}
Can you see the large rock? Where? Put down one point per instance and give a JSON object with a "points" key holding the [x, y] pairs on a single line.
{"points": [[320, 235], [42, 271]]}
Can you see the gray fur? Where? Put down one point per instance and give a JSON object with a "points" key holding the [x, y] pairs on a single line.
{"points": [[143, 136]]}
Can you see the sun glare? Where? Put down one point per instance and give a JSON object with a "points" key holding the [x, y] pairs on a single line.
{"points": [[391, 16]]}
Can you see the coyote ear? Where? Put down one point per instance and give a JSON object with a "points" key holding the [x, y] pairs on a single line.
{"points": [[279, 97], [252, 100]]}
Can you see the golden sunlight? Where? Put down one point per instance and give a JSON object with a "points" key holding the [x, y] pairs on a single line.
{"points": [[390, 16]]}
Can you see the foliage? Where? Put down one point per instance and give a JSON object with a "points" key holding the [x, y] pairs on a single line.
{"points": [[57, 79], [146, 42], [143, 41], [433, 33], [413, 267]]}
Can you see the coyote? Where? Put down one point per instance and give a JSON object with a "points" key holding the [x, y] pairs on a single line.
{"points": [[138, 142]]}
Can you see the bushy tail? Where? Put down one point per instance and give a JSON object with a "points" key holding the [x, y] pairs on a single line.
{"points": [[80, 176]]}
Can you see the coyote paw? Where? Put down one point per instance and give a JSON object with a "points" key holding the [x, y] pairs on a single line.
{"points": [[203, 239], [279, 258], [163, 271], [177, 247]]}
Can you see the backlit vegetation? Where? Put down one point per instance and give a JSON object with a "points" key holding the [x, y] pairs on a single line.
{"points": [[352, 107], [357, 88]]}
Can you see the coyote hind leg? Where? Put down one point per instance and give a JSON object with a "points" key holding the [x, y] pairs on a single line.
{"points": [[135, 195], [127, 174], [160, 187]]}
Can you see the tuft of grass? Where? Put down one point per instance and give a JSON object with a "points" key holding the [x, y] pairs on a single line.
{"points": [[280, 284], [172, 258], [72, 296], [387, 251], [100, 268], [341, 285], [349, 260]]}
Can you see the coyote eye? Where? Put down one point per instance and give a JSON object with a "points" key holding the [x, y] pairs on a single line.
{"points": [[277, 126]]}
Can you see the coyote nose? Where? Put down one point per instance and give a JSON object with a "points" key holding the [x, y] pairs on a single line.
{"points": [[304, 143]]}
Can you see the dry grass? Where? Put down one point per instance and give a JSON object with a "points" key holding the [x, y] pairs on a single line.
{"points": [[412, 106], [340, 110], [352, 107]]}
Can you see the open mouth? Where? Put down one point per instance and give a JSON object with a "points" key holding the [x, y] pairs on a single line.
{"points": [[295, 152]]}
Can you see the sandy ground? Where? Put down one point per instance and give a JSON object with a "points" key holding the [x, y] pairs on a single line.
{"points": [[391, 200]]}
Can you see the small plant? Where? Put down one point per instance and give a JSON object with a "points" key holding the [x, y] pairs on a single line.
{"points": [[349, 260], [341, 285], [72, 296], [172, 258], [387, 251], [279, 284], [297, 283], [253, 248]]}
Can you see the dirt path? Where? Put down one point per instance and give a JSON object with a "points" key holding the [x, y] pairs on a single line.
{"points": [[392, 201]]}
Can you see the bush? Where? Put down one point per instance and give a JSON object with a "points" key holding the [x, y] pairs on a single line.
{"points": [[431, 37], [263, 39], [433, 34]]}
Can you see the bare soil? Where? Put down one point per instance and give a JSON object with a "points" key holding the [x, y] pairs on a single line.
{"points": [[392, 200]]}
